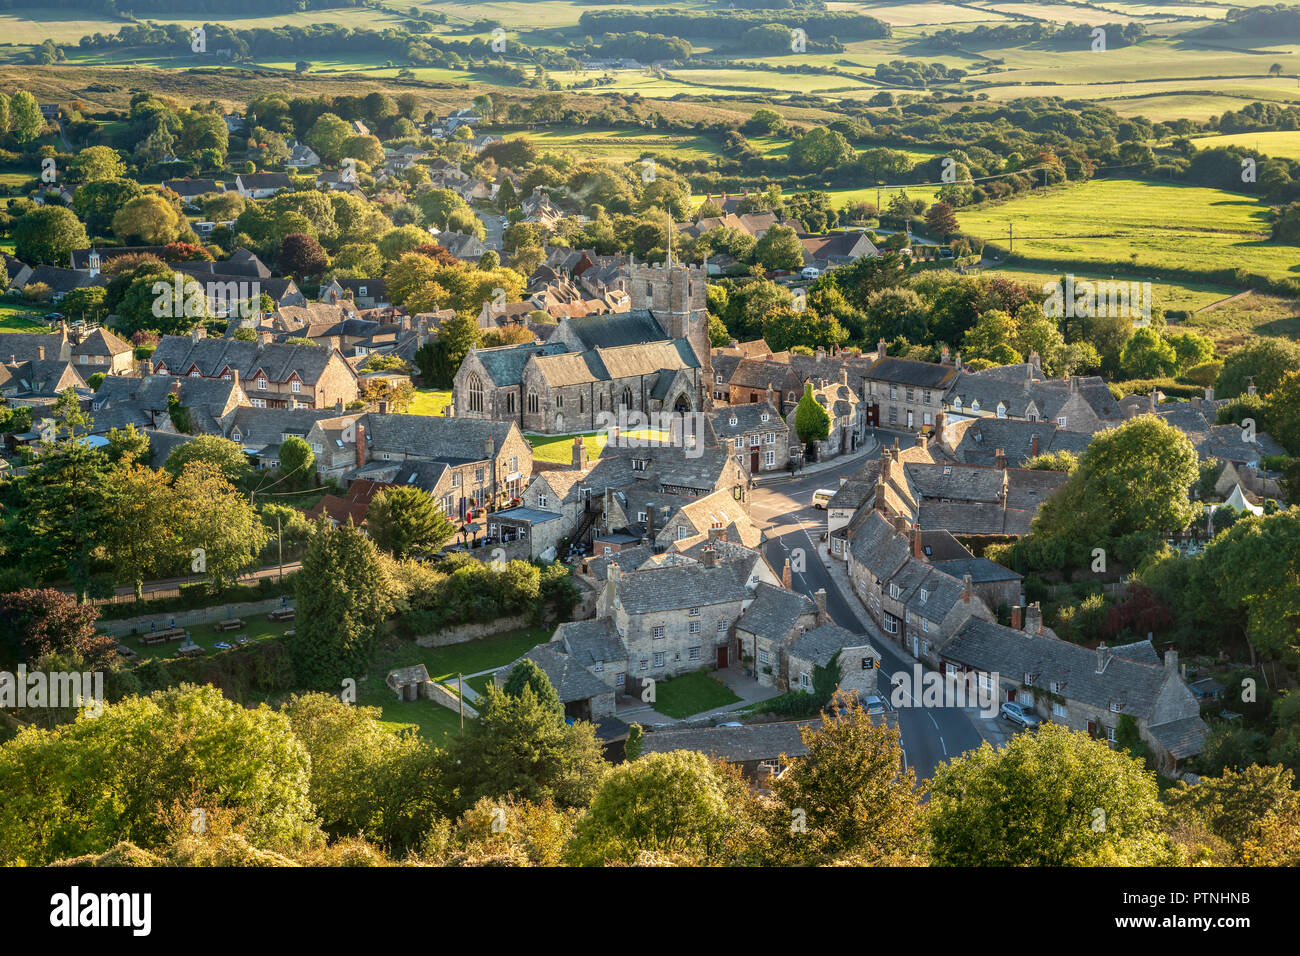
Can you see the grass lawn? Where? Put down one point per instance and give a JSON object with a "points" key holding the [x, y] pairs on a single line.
{"points": [[560, 447], [257, 628], [1143, 224], [430, 401], [691, 693], [12, 321]]}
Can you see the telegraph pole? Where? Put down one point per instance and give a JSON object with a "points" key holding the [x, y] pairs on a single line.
{"points": [[279, 533], [1011, 238], [460, 693]]}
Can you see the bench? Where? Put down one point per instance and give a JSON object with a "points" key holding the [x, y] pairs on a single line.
{"points": [[229, 625], [284, 614]]}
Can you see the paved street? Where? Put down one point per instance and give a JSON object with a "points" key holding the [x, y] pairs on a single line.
{"points": [[929, 735], [491, 220]]}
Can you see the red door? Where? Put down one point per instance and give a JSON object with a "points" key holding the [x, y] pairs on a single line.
{"points": [[722, 656], [753, 461]]}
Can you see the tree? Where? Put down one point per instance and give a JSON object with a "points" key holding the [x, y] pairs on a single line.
{"points": [[990, 338], [124, 443], [941, 220], [679, 806], [97, 162], [517, 747], [1254, 567], [47, 235], [820, 149], [1055, 797], [80, 789], [327, 136], [98, 201], [407, 522], [1147, 355], [141, 533], [1131, 478], [1283, 405], [297, 461], [25, 119], [1233, 809], [527, 673], [149, 219], [35, 622], [1264, 360], [365, 779], [222, 452], [301, 255], [811, 422], [455, 338], [344, 595], [849, 800], [217, 525], [779, 248]]}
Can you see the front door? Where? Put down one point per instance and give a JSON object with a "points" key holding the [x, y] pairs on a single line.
{"points": [[722, 656], [753, 461]]}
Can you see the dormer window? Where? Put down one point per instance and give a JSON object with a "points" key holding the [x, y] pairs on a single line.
{"points": [[975, 405], [1002, 410], [732, 420], [764, 417], [261, 384], [956, 403], [925, 595]]}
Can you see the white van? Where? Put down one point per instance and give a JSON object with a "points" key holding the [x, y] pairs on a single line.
{"points": [[810, 272], [822, 497]]}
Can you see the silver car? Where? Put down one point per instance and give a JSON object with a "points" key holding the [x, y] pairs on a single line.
{"points": [[1019, 715]]}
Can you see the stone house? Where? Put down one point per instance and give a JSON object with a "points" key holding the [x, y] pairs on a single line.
{"points": [[755, 434], [1078, 404], [818, 647], [764, 380], [847, 420], [273, 375], [584, 695], [262, 185], [905, 394], [102, 351], [676, 618], [770, 626], [1086, 690], [486, 462]]}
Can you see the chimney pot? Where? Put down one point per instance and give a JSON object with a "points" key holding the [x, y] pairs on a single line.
{"points": [[1103, 657], [787, 578], [819, 598]]}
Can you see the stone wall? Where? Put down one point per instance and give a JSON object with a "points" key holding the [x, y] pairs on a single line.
{"points": [[204, 615], [465, 633]]}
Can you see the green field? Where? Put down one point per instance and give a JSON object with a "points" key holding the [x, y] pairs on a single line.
{"points": [[12, 319], [691, 693], [622, 146], [1282, 143], [560, 447], [1147, 225], [430, 401], [430, 719]]}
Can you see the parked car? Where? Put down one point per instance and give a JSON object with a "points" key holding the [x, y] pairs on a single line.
{"points": [[810, 272], [874, 705], [1019, 715]]}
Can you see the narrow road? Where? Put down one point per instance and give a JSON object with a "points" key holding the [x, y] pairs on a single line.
{"points": [[930, 735]]}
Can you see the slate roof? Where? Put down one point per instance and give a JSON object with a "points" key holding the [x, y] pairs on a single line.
{"points": [[743, 744], [505, 364], [774, 612], [440, 438], [178, 353], [101, 342], [590, 642], [628, 559], [759, 374], [909, 372], [571, 680], [26, 346], [820, 644], [1134, 687], [749, 418], [980, 439], [636, 327], [981, 570], [678, 586]]}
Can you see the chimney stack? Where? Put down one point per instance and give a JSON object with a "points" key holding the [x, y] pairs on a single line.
{"points": [[1017, 618], [966, 591], [819, 598], [1103, 657], [1000, 458], [383, 408], [901, 524], [1033, 445], [40, 353], [338, 406], [1209, 393], [917, 551], [489, 447], [709, 557], [1171, 659], [578, 457], [844, 377], [361, 446], [1034, 618], [881, 349], [787, 579], [945, 357], [199, 332]]}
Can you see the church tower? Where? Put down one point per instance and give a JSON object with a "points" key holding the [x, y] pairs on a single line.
{"points": [[675, 295]]}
